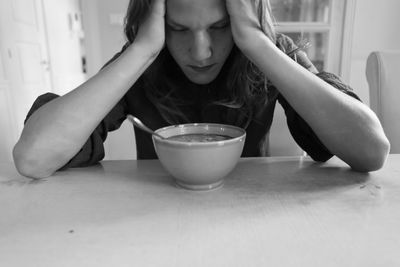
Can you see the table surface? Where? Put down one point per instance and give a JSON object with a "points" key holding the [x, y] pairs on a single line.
{"points": [[270, 212]]}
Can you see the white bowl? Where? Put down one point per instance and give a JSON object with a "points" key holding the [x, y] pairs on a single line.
{"points": [[198, 165]]}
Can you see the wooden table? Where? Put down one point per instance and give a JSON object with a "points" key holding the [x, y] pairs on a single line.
{"points": [[270, 212]]}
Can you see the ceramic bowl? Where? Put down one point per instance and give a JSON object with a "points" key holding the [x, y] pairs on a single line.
{"points": [[203, 156]]}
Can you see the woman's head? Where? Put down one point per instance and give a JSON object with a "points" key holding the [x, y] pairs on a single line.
{"points": [[199, 37], [198, 33]]}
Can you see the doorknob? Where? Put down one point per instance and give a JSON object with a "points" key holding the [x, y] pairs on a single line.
{"points": [[46, 64]]}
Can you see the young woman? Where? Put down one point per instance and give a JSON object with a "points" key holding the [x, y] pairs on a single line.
{"points": [[202, 61]]}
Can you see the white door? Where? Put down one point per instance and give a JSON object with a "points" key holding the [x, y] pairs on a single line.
{"points": [[25, 57], [65, 38], [6, 135]]}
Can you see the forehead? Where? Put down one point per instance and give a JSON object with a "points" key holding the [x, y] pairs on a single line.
{"points": [[195, 12]]}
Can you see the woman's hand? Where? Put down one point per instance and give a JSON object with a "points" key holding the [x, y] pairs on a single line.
{"points": [[151, 33], [245, 24]]}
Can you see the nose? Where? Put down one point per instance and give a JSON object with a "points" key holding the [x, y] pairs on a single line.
{"points": [[201, 48]]}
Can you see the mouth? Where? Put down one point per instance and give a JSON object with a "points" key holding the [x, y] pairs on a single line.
{"points": [[201, 68]]}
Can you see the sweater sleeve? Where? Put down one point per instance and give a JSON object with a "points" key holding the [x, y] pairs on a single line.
{"points": [[302, 132], [93, 150], [298, 127]]}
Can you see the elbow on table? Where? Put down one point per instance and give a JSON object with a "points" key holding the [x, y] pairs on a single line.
{"points": [[28, 164], [374, 158]]}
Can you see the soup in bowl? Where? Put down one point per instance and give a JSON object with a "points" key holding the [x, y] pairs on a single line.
{"points": [[199, 155]]}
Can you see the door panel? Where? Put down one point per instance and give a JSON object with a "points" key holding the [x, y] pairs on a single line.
{"points": [[2, 73], [65, 43], [6, 140], [29, 58], [25, 55], [24, 12]]}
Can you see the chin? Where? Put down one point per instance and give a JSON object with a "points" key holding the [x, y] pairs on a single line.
{"points": [[201, 79]]}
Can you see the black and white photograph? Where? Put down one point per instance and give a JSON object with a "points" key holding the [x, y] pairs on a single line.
{"points": [[208, 133]]}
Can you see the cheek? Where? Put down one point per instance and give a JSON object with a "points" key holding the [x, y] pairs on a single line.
{"points": [[176, 46], [223, 43]]}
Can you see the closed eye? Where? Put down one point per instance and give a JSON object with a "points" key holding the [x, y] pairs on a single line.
{"points": [[221, 25], [176, 28]]}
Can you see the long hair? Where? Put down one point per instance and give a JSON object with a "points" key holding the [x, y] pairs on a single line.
{"points": [[241, 86]]}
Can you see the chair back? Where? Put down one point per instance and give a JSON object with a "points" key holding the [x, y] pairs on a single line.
{"points": [[383, 76]]}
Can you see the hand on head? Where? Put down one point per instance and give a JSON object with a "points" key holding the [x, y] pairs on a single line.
{"points": [[151, 33], [250, 20]]}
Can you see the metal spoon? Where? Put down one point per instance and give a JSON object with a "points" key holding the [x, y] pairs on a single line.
{"points": [[135, 121]]}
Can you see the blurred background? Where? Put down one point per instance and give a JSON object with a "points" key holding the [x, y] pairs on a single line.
{"points": [[53, 46]]}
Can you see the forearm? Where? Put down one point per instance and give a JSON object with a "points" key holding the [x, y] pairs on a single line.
{"points": [[57, 131], [348, 128]]}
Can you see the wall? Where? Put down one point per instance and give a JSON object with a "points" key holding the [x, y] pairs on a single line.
{"points": [[376, 27], [6, 139], [111, 16], [103, 37], [64, 35], [103, 24]]}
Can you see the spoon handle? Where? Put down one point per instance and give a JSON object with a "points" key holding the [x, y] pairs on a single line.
{"points": [[135, 121]]}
